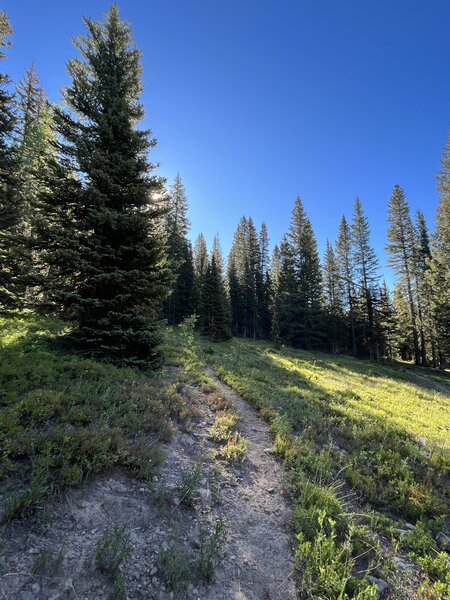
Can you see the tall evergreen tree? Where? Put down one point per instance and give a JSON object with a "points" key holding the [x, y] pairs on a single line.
{"points": [[344, 256], [10, 212], [214, 319], [333, 294], [401, 249], [438, 274], [35, 151], [366, 278], [200, 264], [179, 304], [306, 326], [101, 227]]}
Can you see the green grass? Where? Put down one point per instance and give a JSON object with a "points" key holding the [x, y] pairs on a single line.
{"points": [[366, 446], [63, 417]]}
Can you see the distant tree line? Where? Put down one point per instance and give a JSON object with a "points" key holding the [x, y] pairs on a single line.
{"points": [[88, 230]]}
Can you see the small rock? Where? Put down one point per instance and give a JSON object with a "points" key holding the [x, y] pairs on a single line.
{"points": [[36, 588], [401, 532], [443, 540], [410, 526], [404, 566], [27, 596], [142, 489], [204, 494], [381, 584], [155, 581], [268, 451], [153, 571], [271, 491]]}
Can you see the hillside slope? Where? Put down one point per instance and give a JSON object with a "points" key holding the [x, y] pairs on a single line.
{"points": [[367, 450]]}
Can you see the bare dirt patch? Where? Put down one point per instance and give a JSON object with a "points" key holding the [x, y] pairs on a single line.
{"points": [[171, 523]]}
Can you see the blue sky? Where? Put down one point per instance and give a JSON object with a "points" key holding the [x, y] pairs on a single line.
{"points": [[256, 101]]}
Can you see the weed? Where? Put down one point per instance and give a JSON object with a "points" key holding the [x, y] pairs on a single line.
{"points": [[112, 550], [235, 448], [162, 494], [177, 567], [188, 486], [211, 548], [49, 560], [223, 426]]}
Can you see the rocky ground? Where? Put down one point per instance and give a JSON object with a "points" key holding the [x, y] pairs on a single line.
{"points": [[202, 528]]}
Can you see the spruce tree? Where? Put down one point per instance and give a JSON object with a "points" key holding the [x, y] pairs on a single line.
{"points": [[102, 222], [179, 304], [401, 249], [333, 293], [35, 151], [274, 276], [10, 212], [366, 278], [438, 274], [306, 321], [200, 264], [214, 321], [344, 256]]}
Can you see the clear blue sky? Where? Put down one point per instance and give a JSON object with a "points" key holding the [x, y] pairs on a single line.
{"points": [[256, 101]]}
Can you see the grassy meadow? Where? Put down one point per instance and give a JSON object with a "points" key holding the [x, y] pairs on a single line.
{"points": [[64, 418], [366, 445], [367, 451]]}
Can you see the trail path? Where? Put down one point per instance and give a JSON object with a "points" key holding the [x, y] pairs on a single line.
{"points": [[256, 560]]}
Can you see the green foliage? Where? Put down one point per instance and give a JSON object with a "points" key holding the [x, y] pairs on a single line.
{"points": [[49, 560], [188, 486], [100, 227], [211, 548], [111, 552], [64, 418], [177, 566], [346, 430]]}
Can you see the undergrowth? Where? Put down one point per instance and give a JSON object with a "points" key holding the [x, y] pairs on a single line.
{"points": [[366, 449], [64, 418]]}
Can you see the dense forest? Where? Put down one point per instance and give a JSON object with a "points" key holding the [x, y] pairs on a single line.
{"points": [[90, 232]]}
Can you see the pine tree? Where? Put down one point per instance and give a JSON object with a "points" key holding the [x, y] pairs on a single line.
{"points": [[102, 223], [200, 264], [305, 325], [274, 277], [344, 254], [35, 151], [10, 212], [438, 274], [333, 294], [214, 322], [401, 249], [265, 286], [366, 277], [179, 304]]}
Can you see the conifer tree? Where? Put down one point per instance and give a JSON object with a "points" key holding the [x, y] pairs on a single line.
{"points": [[274, 277], [401, 249], [344, 254], [332, 286], [179, 304], [35, 151], [303, 319], [10, 212], [214, 322], [366, 277], [200, 264], [438, 274], [265, 286], [101, 228]]}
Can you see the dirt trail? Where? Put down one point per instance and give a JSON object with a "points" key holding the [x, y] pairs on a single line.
{"points": [[258, 516], [256, 561]]}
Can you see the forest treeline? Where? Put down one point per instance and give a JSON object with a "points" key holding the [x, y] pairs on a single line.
{"points": [[89, 231]]}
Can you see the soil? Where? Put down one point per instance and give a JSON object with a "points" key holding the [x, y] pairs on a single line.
{"points": [[53, 555]]}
